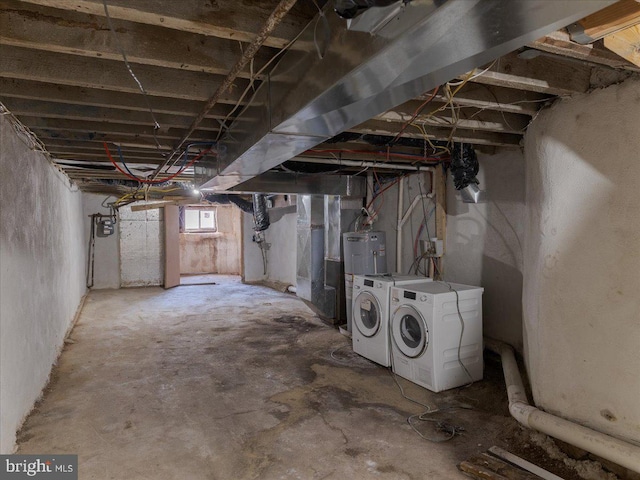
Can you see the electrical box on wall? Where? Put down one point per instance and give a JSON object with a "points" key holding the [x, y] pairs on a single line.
{"points": [[105, 227]]}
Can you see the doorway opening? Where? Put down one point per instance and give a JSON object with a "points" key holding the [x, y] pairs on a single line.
{"points": [[206, 243]]}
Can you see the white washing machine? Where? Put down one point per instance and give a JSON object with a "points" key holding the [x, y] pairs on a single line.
{"points": [[426, 328], [370, 313]]}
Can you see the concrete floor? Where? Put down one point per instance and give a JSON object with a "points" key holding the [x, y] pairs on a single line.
{"points": [[205, 278], [230, 381]]}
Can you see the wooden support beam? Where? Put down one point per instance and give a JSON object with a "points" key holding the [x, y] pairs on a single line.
{"points": [[71, 33], [96, 157], [31, 108], [615, 17], [469, 117], [559, 43], [98, 97], [120, 138], [152, 205], [625, 43], [224, 18], [91, 145], [496, 98], [541, 74], [377, 127], [144, 131], [27, 64]]}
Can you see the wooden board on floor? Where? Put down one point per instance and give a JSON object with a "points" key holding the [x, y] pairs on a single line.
{"points": [[487, 467]]}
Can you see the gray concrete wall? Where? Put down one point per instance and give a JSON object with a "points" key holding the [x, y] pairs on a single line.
{"points": [[582, 259], [42, 274], [106, 272], [217, 252], [484, 243], [387, 221], [141, 247], [281, 256]]}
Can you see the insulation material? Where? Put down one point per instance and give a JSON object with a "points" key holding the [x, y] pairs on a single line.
{"points": [[260, 213]]}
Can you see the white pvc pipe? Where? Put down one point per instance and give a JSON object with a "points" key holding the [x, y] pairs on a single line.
{"points": [[402, 218], [407, 214], [613, 449], [399, 230], [369, 188]]}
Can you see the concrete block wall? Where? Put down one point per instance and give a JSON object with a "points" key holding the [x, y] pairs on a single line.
{"points": [[141, 247], [42, 274]]}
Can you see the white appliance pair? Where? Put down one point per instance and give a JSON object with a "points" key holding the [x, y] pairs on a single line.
{"points": [[370, 314], [429, 332]]}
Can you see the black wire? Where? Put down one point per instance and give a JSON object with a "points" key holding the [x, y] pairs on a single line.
{"points": [[91, 253], [461, 334]]}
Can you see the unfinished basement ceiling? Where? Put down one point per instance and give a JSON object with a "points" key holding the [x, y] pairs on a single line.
{"points": [[63, 76]]}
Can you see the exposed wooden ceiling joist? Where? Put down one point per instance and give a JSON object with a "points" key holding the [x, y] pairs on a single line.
{"points": [[626, 43], [222, 19], [616, 17], [82, 35], [66, 94], [28, 64], [377, 127], [62, 74], [439, 114], [39, 109], [559, 43], [543, 74]]}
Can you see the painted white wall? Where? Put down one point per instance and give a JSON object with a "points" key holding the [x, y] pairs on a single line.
{"points": [[42, 274], [582, 259], [484, 243], [106, 272], [281, 256], [141, 247]]}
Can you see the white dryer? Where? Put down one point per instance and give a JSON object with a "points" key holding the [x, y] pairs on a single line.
{"points": [[370, 312], [426, 331]]}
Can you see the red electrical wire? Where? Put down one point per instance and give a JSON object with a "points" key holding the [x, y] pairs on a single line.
{"points": [[384, 190], [160, 180]]}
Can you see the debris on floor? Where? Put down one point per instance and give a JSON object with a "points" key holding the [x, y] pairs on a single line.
{"points": [[485, 466]]}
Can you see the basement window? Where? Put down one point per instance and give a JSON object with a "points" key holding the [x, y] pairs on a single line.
{"points": [[200, 219]]}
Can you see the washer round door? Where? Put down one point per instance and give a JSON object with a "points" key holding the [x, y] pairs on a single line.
{"points": [[409, 331], [367, 314]]}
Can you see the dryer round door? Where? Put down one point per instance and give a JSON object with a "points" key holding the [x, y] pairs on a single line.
{"points": [[409, 331], [367, 314]]}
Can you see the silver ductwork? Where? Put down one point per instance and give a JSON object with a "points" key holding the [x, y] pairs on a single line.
{"points": [[335, 77]]}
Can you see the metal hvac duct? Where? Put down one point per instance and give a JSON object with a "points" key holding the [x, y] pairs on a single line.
{"points": [[336, 76]]}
